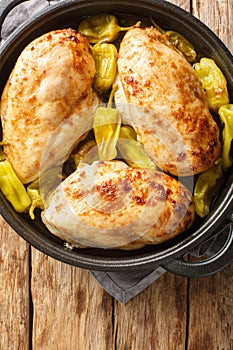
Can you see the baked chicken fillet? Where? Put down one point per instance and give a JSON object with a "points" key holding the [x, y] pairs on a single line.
{"points": [[111, 205], [51, 81], [153, 74]]}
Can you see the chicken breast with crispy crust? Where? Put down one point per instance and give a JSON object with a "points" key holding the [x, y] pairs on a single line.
{"points": [[50, 82], [155, 75], [111, 205]]}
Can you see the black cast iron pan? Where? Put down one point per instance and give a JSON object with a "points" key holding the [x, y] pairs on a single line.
{"points": [[170, 254]]}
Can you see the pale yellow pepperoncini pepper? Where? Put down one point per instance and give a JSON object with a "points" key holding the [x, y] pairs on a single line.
{"points": [[106, 126], [86, 153], [179, 41], [213, 82], [107, 123], [206, 183], [36, 200], [106, 66], [204, 189], [132, 151], [226, 116], [102, 28], [11, 186], [46, 184]]}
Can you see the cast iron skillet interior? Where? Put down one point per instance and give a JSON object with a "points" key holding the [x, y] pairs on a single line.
{"points": [[68, 14]]}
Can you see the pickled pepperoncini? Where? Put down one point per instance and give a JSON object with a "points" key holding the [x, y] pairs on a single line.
{"points": [[86, 153], [213, 82], [101, 28], [183, 45], [11, 186], [132, 151], [40, 190], [106, 66], [107, 123], [180, 42], [36, 200], [226, 116], [205, 188]]}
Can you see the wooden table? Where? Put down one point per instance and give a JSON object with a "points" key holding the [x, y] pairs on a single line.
{"points": [[48, 305]]}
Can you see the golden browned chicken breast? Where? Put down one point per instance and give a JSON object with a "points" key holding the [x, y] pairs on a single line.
{"points": [[50, 83], [110, 205], [155, 75]]}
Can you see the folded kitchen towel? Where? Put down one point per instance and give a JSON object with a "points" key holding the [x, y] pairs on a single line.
{"points": [[123, 286]]}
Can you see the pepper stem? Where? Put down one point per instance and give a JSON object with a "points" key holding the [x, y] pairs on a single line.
{"points": [[157, 26], [110, 100], [137, 25]]}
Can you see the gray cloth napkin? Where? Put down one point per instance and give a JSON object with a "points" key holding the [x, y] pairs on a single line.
{"points": [[123, 286]]}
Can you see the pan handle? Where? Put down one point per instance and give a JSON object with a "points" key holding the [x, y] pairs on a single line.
{"points": [[209, 266], [6, 6]]}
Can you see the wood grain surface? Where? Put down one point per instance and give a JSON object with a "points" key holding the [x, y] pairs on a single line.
{"points": [[48, 305]]}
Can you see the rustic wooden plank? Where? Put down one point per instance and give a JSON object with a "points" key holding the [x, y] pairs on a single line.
{"points": [[155, 319], [14, 290], [184, 4], [211, 312], [71, 311], [218, 16]]}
